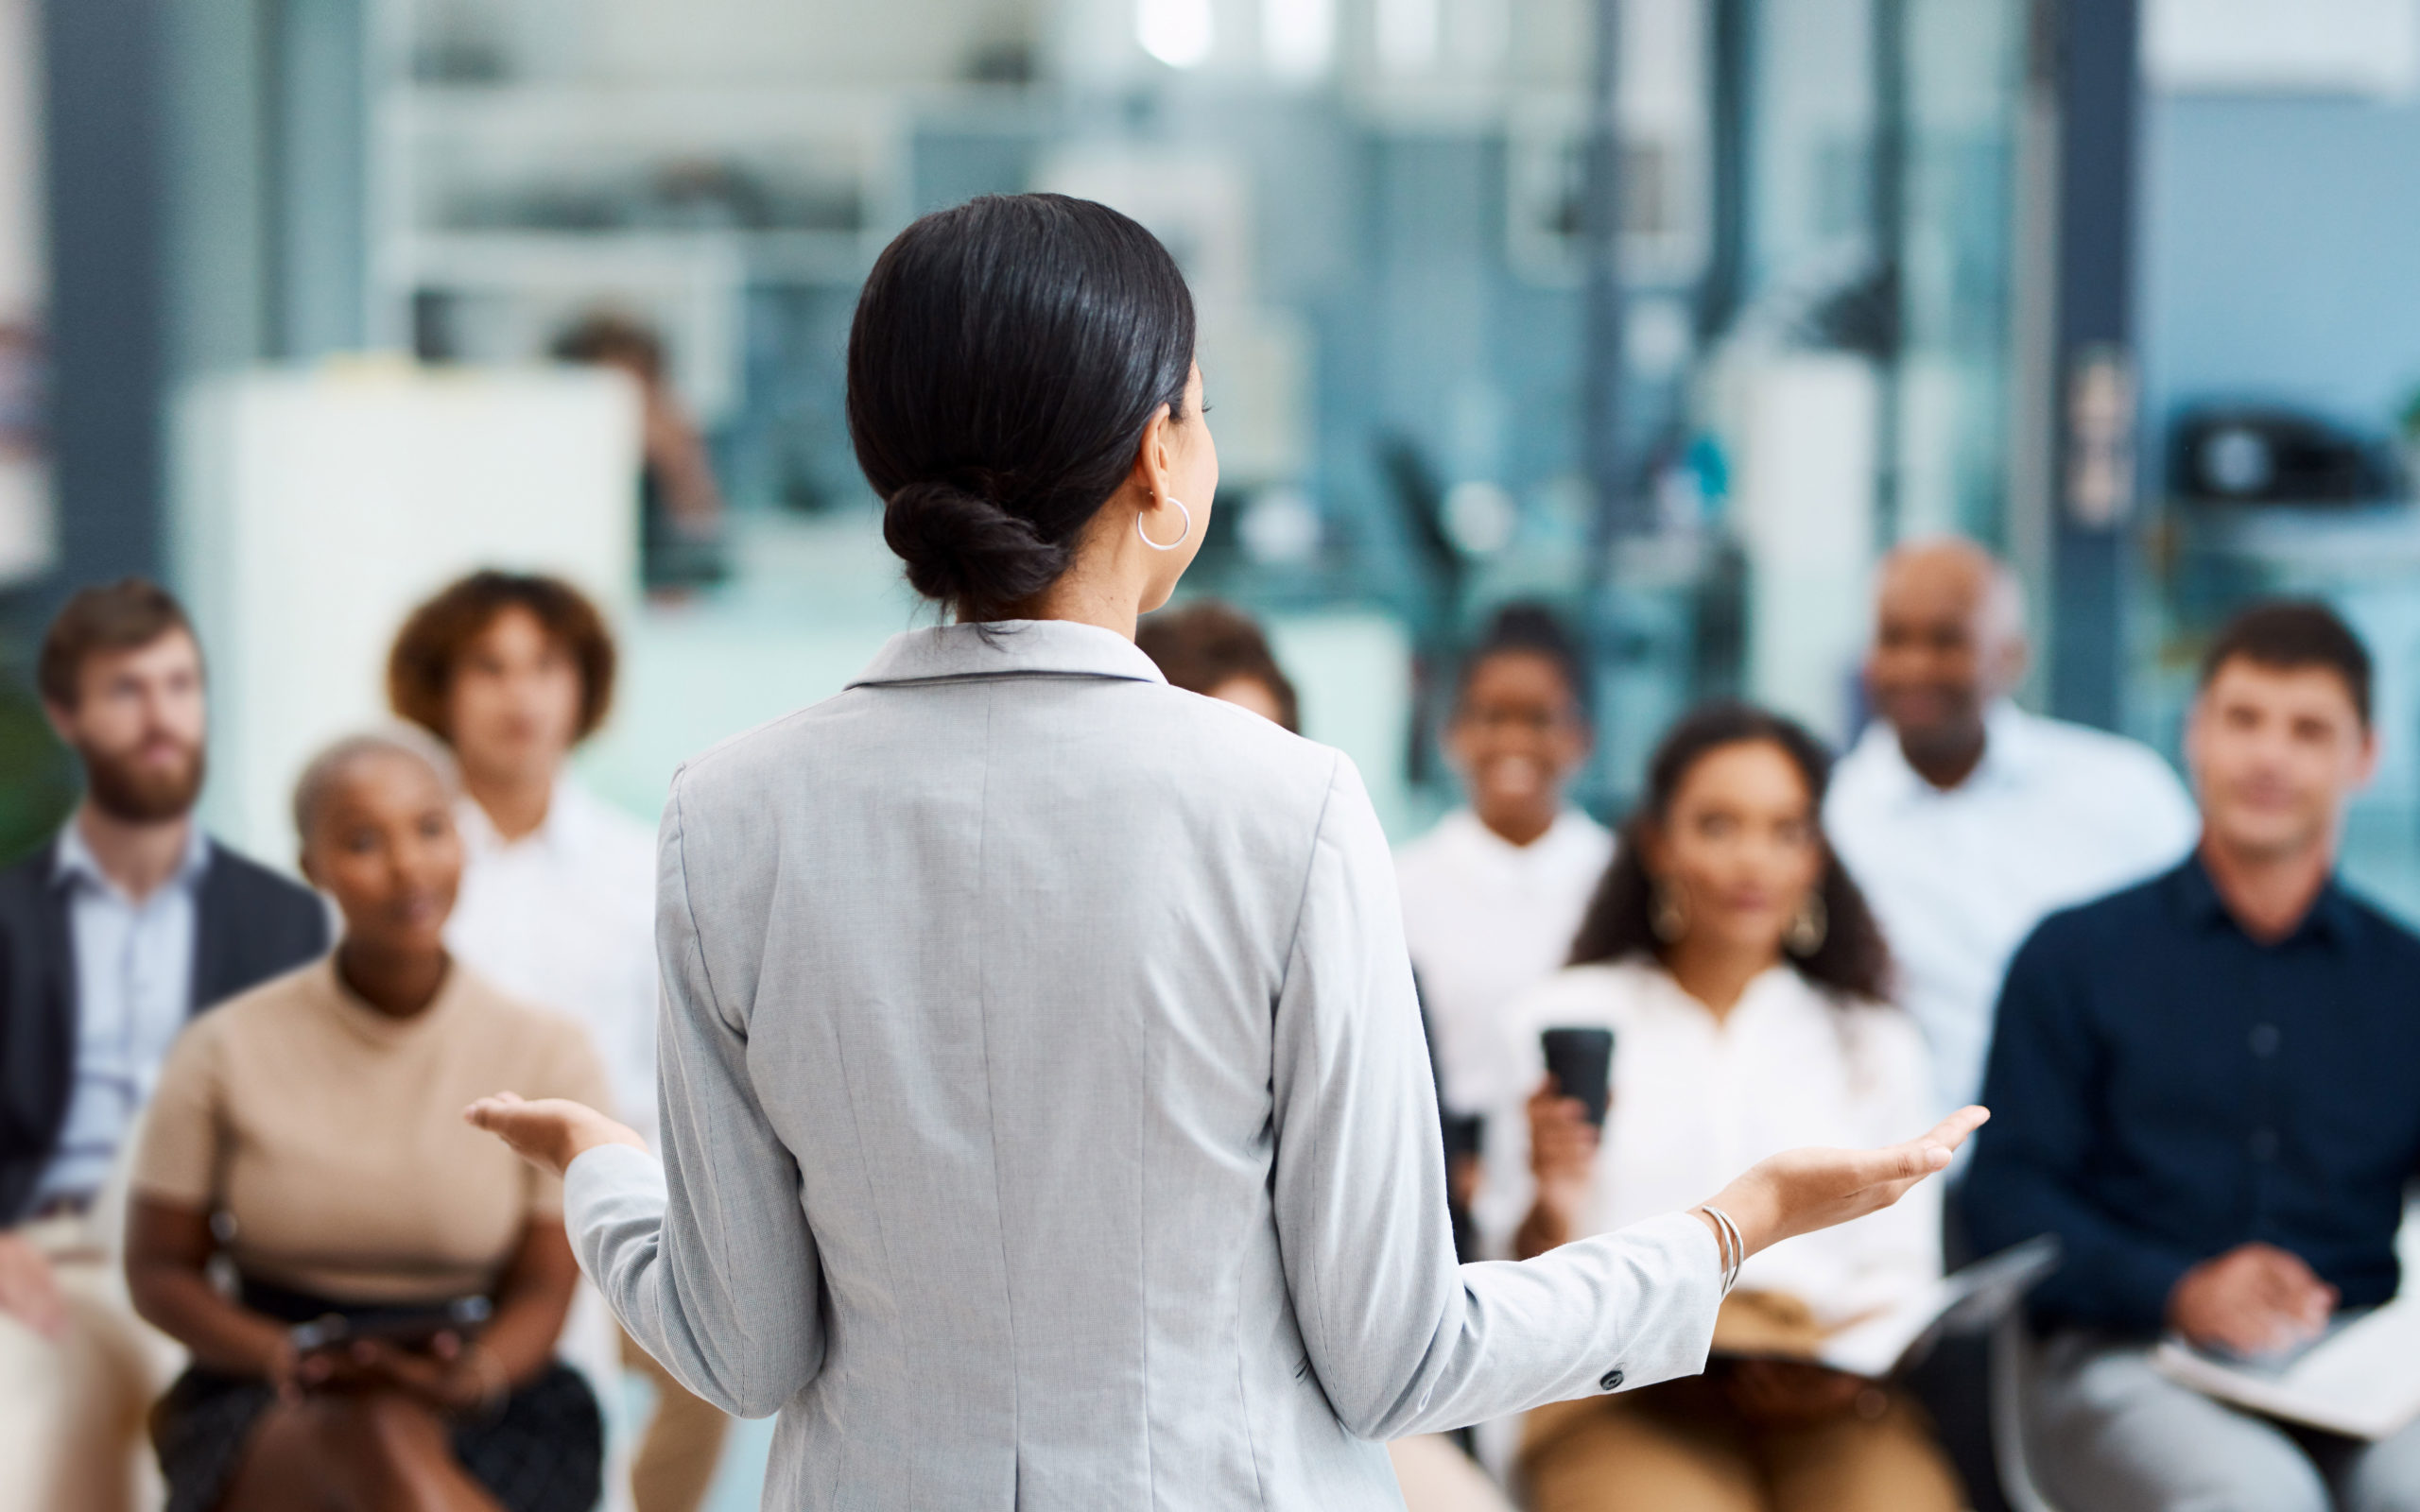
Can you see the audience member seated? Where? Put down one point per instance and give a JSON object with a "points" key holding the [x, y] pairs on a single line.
{"points": [[1214, 648], [1744, 980], [681, 510], [1966, 818], [2209, 1086], [557, 904], [1490, 896], [111, 937], [311, 1132]]}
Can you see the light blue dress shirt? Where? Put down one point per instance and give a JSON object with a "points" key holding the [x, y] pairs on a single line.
{"points": [[2055, 813], [133, 992]]}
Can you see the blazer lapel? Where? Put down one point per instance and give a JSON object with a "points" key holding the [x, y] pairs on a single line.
{"points": [[213, 910], [37, 1059]]}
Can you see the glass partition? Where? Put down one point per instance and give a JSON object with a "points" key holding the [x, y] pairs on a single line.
{"points": [[1383, 207]]}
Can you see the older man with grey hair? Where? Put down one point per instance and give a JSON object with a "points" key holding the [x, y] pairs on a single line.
{"points": [[1966, 818]]}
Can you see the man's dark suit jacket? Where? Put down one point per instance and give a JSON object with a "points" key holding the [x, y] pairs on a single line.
{"points": [[249, 924]]}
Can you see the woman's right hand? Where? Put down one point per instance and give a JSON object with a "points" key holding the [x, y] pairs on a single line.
{"points": [[1563, 1161], [1800, 1191]]}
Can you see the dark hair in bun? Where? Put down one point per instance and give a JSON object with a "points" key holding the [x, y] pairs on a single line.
{"points": [[1006, 355]]}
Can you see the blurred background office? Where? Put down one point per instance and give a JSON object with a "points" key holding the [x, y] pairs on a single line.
{"points": [[1672, 315]]}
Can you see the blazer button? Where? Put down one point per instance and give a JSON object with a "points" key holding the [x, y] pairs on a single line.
{"points": [[1610, 1381]]}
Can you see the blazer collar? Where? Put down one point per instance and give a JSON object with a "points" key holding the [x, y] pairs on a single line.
{"points": [[72, 861], [1008, 648]]}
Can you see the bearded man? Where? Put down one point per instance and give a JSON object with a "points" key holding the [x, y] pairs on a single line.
{"points": [[111, 937]]}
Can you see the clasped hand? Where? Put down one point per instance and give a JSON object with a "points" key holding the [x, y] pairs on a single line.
{"points": [[446, 1375], [2256, 1299]]}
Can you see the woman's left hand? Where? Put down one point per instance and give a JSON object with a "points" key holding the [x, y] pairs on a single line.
{"points": [[551, 1132]]}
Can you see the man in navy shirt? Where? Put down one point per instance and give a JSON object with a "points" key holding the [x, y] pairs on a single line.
{"points": [[2208, 1085]]}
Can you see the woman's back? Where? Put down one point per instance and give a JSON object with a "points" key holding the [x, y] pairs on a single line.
{"points": [[1038, 1105], [1047, 1122], [1046, 1118]]}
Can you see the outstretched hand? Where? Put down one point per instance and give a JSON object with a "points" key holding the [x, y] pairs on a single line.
{"points": [[551, 1132], [1800, 1191]]}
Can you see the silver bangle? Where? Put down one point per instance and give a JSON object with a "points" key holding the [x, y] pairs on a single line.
{"points": [[1722, 1251], [1739, 1248], [1731, 1251]]}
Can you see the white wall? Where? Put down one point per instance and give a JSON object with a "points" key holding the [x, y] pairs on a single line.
{"points": [[2283, 46], [313, 510], [1801, 427]]}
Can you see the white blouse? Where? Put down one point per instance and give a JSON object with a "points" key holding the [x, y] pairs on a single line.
{"points": [[1487, 920], [564, 917], [1697, 1100]]}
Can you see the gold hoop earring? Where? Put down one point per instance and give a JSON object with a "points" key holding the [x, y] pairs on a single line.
{"points": [[1666, 915], [1807, 931]]}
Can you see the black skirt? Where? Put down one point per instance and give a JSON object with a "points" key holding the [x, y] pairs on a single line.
{"points": [[542, 1451]]}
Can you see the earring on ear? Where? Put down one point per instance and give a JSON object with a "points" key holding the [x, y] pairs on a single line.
{"points": [[1667, 914], [1179, 506], [1808, 931]]}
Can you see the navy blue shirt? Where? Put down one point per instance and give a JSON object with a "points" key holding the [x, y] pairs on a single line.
{"points": [[2164, 1088]]}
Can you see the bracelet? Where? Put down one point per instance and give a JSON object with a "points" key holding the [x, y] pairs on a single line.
{"points": [[1731, 1251]]}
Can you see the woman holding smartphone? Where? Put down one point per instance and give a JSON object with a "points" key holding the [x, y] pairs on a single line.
{"points": [[1744, 982], [310, 1132], [1492, 894], [1046, 1121]]}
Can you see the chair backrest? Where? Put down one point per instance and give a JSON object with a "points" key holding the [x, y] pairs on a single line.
{"points": [[2012, 1372]]}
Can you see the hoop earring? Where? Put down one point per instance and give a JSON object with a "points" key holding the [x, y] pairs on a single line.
{"points": [[1666, 915], [1181, 535], [1807, 931]]}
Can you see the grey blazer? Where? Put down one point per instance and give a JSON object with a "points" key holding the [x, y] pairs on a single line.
{"points": [[1047, 1120]]}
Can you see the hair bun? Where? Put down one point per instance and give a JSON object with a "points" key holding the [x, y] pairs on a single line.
{"points": [[963, 549]]}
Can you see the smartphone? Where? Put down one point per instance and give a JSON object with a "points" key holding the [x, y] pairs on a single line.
{"points": [[1581, 1063], [412, 1328], [1464, 1134]]}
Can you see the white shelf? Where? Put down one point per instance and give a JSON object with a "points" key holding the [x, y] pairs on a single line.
{"points": [[646, 115], [502, 260]]}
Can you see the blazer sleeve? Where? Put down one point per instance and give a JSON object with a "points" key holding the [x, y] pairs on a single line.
{"points": [[1403, 1339], [706, 1257]]}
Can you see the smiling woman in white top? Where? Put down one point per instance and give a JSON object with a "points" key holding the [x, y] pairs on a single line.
{"points": [[1742, 977], [1492, 895]]}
